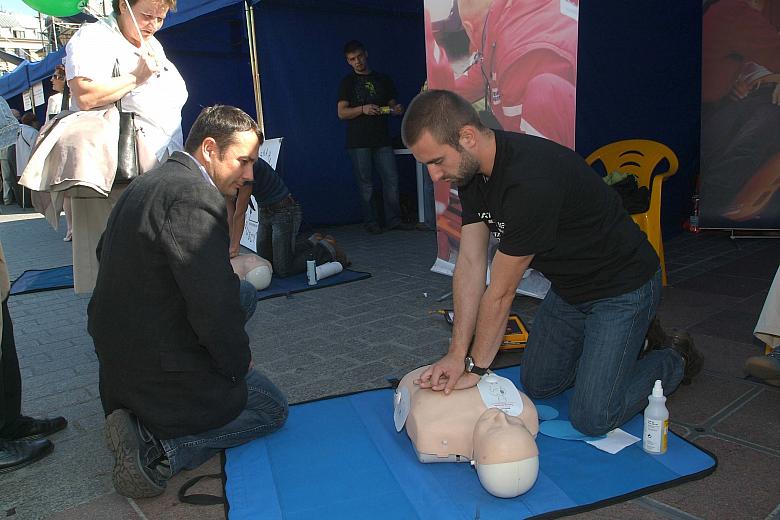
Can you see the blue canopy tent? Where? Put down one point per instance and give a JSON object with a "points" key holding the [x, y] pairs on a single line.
{"points": [[623, 91]]}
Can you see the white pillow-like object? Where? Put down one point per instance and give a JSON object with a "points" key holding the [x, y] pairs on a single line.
{"points": [[260, 277]]}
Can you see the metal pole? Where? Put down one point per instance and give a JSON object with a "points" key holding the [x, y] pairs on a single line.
{"points": [[54, 33], [254, 62]]}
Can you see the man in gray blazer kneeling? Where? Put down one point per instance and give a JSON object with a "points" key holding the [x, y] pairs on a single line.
{"points": [[167, 314]]}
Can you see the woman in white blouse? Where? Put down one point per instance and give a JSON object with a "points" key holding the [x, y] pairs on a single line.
{"points": [[148, 84]]}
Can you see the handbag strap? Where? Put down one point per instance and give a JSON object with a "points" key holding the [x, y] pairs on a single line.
{"points": [[199, 499], [116, 74]]}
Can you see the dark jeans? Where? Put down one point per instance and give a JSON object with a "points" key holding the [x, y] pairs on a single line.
{"points": [[278, 239], [265, 412], [382, 160], [10, 378], [597, 343]]}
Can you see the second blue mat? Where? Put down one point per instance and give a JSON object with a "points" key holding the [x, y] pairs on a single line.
{"points": [[35, 280], [299, 282]]}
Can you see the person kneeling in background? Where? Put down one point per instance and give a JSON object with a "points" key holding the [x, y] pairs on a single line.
{"points": [[280, 222]]}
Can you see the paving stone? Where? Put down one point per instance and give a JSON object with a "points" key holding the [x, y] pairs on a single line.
{"points": [[622, 511], [763, 410], [742, 487], [111, 506], [707, 395], [723, 356]]}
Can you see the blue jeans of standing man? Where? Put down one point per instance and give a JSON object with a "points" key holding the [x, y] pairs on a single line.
{"points": [[265, 412], [594, 346], [382, 160]]}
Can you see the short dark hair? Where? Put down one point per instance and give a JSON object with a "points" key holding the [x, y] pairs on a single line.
{"points": [[221, 123], [28, 118], [353, 45], [443, 114], [171, 4]]}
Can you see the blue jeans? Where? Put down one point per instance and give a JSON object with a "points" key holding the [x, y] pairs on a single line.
{"points": [[265, 412], [597, 343], [382, 160], [248, 295], [277, 237]]}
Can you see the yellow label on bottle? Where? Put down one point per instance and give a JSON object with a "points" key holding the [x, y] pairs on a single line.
{"points": [[664, 436]]}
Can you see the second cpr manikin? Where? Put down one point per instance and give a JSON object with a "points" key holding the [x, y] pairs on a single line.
{"points": [[491, 425]]}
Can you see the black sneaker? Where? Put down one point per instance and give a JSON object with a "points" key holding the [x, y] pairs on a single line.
{"points": [[682, 343], [137, 457], [374, 229]]}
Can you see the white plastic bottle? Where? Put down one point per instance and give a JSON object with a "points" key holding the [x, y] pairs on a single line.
{"points": [[656, 422], [311, 272]]}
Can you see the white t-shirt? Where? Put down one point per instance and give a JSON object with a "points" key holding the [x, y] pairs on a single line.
{"points": [[54, 105], [93, 51]]}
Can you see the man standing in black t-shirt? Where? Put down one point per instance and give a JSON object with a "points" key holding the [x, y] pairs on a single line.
{"points": [[366, 98], [552, 212]]}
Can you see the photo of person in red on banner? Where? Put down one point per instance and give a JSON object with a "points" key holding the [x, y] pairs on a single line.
{"points": [[516, 61]]}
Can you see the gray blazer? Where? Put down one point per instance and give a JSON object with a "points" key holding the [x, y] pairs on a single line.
{"points": [[165, 314]]}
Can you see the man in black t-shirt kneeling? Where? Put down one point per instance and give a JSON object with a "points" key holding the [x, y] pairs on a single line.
{"points": [[550, 211], [366, 99]]}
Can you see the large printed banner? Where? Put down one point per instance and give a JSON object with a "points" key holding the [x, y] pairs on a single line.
{"points": [[739, 182], [516, 60]]}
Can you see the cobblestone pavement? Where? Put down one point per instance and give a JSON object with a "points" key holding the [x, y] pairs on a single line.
{"points": [[352, 337]]}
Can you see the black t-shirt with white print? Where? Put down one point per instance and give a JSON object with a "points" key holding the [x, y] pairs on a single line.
{"points": [[543, 199], [367, 131]]}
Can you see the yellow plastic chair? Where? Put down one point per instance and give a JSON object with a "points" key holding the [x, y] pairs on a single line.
{"points": [[641, 157]]}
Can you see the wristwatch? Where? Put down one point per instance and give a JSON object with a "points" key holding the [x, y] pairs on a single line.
{"points": [[471, 368]]}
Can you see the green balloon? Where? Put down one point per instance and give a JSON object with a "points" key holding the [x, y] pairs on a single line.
{"points": [[56, 7]]}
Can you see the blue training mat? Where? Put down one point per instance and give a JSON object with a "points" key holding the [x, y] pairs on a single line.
{"points": [[342, 458], [36, 280], [299, 282]]}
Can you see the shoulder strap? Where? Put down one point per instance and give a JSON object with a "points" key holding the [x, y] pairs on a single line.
{"points": [[116, 74]]}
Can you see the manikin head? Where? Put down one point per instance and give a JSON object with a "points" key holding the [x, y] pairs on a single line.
{"points": [[226, 142], [505, 454], [460, 427], [253, 269]]}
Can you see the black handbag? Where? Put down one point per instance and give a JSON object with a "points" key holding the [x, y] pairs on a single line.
{"points": [[127, 167]]}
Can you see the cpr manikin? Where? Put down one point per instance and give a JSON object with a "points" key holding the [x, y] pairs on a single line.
{"points": [[253, 269], [491, 425]]}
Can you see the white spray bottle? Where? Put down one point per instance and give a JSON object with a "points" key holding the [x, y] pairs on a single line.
{"points": [[656, 422]]}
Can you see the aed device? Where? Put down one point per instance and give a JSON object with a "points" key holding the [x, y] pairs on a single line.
{"points": [[515, 336]]}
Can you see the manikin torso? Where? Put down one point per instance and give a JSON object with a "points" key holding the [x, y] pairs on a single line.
{"points": [[461, 427]]}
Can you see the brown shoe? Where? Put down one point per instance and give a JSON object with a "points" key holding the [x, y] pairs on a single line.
{"points": [[682, 343]]}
